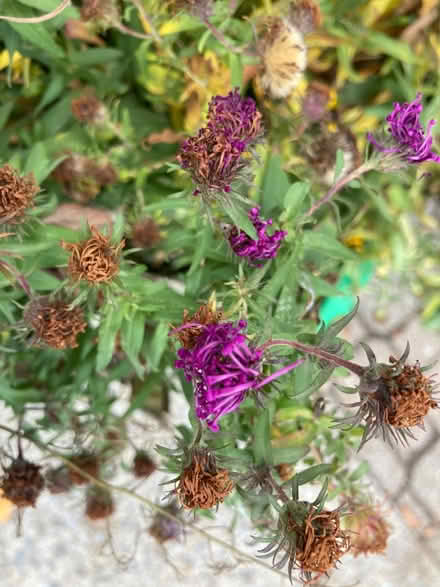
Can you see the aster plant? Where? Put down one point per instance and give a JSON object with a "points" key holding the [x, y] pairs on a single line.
{"points": [[202, 125]]}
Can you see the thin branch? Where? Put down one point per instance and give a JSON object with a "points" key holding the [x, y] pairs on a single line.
{"points": [[35, 19]]}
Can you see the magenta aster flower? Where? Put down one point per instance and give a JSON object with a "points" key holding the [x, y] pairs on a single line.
{"points": [[407, 137], [266, 247], [223, 368], [214, 156]]}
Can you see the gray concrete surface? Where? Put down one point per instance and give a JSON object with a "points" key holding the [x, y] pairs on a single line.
{"points": [[60, 548]]}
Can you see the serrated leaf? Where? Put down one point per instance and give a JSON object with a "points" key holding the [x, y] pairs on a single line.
{"points": [[312, 473]]}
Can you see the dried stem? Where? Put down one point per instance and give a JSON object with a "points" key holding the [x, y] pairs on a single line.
{"points": [[35, 19], [279, 490]]}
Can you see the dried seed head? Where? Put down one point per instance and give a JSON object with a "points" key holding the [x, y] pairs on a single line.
{"points": [[201, 484], [86, 462], [143, 465], [89, 109], [58, 480], [145, 233], [22, 483], [285, 471], [309, 540], [53, 322], [306, 15], [16, 195], [82, 178], [95, 260], [394, 398], [206, 314], [164, 528], [284, 57], [369, 529], [103, 12], [99, 503]]}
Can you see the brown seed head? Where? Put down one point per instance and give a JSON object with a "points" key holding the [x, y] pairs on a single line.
{"points": [[104, 12], [82, 178], [88, 109], [58, 480], [99, 504], [206, 314], [145, 233], [201, 484], [410, 397], [306, 15], [143, 465], [164, 528], [86, 462], [95, 260], [370, 531], [54, 323], [22, 483], [16, 194]]}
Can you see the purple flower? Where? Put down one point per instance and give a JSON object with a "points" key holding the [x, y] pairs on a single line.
{"points": [[214, 156], [223, 368], [408, 139], [266, 247]]}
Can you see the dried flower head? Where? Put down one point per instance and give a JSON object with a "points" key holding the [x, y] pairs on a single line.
{"points": [[202, 484], [309, 539], [89, 109], [58, 480], [306, 15], [266, 247], [82, 178], [284, 56], [143, 465], [54, 322], [88, 463], [145, 233], [394, 398], [223, 368], [316, 101], [406, 141], [95, 260], [104, 12], [369, 529], [214, 156], [206, 314], [99, 503], [16, 194], [22, 483], [164, 528]]}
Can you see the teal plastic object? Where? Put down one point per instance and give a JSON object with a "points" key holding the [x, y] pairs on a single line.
{"points": [[336, 306]]}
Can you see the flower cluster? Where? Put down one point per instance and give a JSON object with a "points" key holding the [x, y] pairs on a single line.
{"points": [[223, 368], [407, 139], [266, 247], [214, 157]]}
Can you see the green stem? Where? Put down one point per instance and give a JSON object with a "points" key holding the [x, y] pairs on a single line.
{"points": [[367, 166]]}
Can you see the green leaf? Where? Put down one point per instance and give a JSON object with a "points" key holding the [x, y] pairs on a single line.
{"points": [[5, 111], [35, 33], [204, 241], [335, 328], [290, 455], [132, 337], [319, 286], [240, 219], [327, 245], [262, 445], [294, 198], [236, 69], [94, 56], [275, 184], [157, 345], [107, 335], [311, 473], [339, 165]]}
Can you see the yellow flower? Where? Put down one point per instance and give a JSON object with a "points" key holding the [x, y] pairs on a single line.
{"points": [[20, 65]]}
